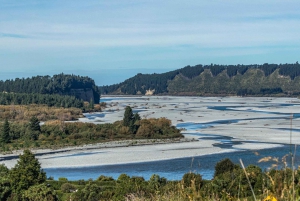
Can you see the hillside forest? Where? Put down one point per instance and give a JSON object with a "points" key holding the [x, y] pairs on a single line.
{"points": [[210, 80], [82, 88]]}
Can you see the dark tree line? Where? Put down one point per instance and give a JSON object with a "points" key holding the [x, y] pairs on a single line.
{"points": [[216, 69], [61, 84], [44, 99], [292, 70], [263, 91], [276, 90], [142, 82], [268, 69], [232, 70], [191, 71]]}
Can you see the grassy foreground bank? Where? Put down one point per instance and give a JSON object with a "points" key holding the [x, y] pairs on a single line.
{"points": [[27, 181]]}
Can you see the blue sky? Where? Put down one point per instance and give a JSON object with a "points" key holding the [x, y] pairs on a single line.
{"points": [[112, 40]]}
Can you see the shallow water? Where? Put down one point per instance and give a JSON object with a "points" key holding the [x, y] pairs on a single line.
{"points": [[174, 169]]}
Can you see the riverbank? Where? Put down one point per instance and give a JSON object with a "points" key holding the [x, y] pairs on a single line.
{"points": [[128, 151], [264, 119], [256, 123]]}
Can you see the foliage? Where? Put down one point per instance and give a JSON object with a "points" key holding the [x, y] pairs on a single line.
{"points": [[51, 100], [216, 69], [27, 172], [225, 165], [62, 84], [131, 120], [156, 182], [228, 185], [157, 128], [39, 192], [268, 68], [291, 70], [34, 124], [55, 134], [142, 82], [105, 178], [253, 79], [43, 113], [67, 188], [91, 192], [192, 178], [5, 186], [128, 116], [5, 132]]}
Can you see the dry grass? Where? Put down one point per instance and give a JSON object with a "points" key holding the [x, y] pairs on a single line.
{"points": [[42, 112]]}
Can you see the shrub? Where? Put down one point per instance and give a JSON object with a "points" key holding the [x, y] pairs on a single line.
{"points": [[189, 178], [105, 178], [67, 188], [225, 165]]}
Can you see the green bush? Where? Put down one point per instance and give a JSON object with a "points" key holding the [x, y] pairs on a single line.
{"points": [[67, 188], [189, 178], [225, 165]]}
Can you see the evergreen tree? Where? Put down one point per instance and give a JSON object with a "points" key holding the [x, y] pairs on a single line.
{"points": [[91, 104], [131, 120], [5, 187], [225, 165], [34, 124], [26, 173], [5, 132], [134, 126], [128, 116]]}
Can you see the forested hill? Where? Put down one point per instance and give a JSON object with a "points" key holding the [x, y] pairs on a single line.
{"points": [[265, 79], [62, 84]]}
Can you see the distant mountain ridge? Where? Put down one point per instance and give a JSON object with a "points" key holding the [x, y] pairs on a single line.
{"points": [[256, 80]]}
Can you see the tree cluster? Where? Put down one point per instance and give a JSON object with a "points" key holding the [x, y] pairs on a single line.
{"points": [[41, 99], [59, 133], [291, 70], [25, 181], [131, 120], [142, 82], [160, 82], [216, 69], [61, 84]]}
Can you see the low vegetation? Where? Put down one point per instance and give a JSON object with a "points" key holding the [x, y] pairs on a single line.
{"points": [[27, 181], [22, 113], [58, 133]]}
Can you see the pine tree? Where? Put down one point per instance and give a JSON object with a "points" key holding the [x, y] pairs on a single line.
{"points": [[91, 104], [130, 120], [34, 124], [27, 172], [128, 116], [5, 132]]}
